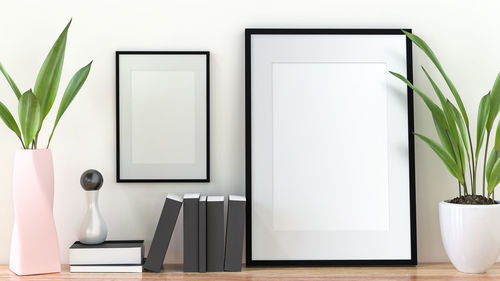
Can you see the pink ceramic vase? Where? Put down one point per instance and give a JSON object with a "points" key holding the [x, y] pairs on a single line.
{"points": [[34, 246]]}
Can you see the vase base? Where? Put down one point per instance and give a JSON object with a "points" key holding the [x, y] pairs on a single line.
{"points": [[19, 272]]}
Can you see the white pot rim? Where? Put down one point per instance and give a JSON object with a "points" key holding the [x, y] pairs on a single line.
{"points": [[467, 206]]}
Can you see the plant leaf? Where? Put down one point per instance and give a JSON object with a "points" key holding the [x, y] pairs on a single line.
{"points": [[11, 82], [494, 177], [47, 81], [438, 116], [443, 134], [438, 91], [29, 116], [445, 157], [9, 120], [497, 138], [461, 125], [69, 94], [428, 51], [494, 103], [451, 121], [491, 162], [482, 118]]}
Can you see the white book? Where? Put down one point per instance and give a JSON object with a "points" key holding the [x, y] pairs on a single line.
{"points": [[106, 268], [107, 253]]}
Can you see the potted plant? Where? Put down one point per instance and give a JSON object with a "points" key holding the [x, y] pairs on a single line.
{"points": [[470, 223], [34, 246]]}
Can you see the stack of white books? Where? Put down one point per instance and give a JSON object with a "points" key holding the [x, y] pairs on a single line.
{"points": [[110, 256]]}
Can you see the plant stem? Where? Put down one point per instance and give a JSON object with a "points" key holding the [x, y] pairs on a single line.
{"points": [[465, 185], [459, 190], [22, 142], [473, 180], [484, 163]]}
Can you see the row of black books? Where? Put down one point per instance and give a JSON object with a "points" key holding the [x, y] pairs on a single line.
{"points": [[203, 223], [206, 246]]}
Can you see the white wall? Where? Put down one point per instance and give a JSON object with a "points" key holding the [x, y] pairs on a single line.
{"points": [[462, 33]]}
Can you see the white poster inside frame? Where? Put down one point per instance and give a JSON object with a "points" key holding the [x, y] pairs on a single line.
{"points": [[162, 116], [329, 155]]}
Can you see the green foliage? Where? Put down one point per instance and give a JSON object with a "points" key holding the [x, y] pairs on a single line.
{"points": [[447, 159], [494, 103], [11, 82], [9, 120], [493, 164], [482, 117], [456, 149], [29, 116], [70, 93], [33, 106], [47, 81]]}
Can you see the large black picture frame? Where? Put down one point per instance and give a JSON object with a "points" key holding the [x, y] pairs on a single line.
{"points": [[206, 136], [250, 258]]}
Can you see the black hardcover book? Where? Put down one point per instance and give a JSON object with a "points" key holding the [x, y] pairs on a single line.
{"points": [[234, 232], [190, 206], [202, 234], [215, 233], [163, 233]]}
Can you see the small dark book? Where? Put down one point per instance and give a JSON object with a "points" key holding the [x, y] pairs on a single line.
{"points": [[163, 233], [215, 233], [202, 234], [190, 224], [234, 232]]}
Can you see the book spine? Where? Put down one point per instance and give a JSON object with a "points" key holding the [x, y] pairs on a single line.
{"points": [[234, 235], [191, 235], [202, 235], [215, 236], [162, 235]]}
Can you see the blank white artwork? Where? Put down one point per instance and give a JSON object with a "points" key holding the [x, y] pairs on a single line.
{"points": [[330, 167], [159, 100], [330, 146], [163, 116]]}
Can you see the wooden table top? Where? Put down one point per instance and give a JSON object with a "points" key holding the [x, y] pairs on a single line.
{"points": [[174, 272]]}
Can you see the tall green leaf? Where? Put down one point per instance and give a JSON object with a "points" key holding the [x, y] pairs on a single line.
{"points": [[482, 118], [430, 104], [428, 51], [72, 89], [445, 157], [460, 123], [451, 121], [11, 82], [9, 120], [47, 81], [29, 116], [494, 103], [438, 117], [494, 177], [492, 159], [438, 91]]}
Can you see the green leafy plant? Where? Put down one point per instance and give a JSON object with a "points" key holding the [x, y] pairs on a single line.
{"points": [[455, 147], [34, 105]]}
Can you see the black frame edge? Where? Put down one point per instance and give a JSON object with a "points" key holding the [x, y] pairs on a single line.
{"points": [[117, 62], [248, 152]]}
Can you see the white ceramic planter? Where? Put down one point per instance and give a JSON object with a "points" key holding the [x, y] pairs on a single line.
{"points": [[471, 235]]}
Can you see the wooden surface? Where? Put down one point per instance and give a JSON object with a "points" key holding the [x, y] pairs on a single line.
{"points": [[174, 272]]}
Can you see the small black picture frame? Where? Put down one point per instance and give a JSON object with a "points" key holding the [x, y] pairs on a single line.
{"points": [[168, 88], [272, 244]]}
